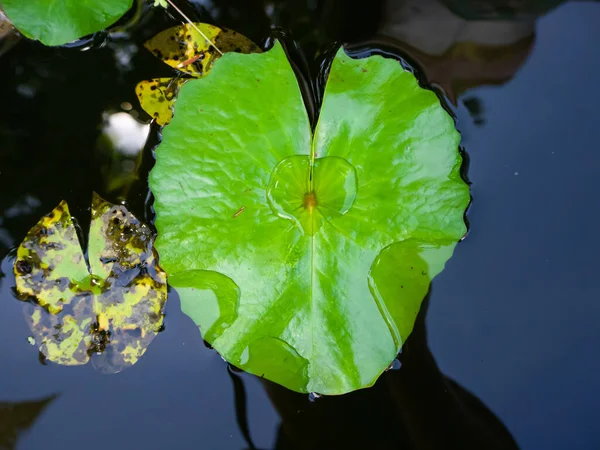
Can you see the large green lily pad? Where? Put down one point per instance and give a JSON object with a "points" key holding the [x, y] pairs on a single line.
{"points": [[111, 310], [304, 258], [56, 22]]}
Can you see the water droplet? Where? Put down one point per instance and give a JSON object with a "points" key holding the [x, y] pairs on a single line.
{"points": [[293, 195], [313, 397]]}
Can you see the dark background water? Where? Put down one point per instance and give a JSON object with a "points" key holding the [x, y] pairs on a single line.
{"points": [[513, 318]]}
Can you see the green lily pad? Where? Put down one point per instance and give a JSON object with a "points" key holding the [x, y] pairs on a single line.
{"points": [[62, 21], [304, 258], [113, 309]]}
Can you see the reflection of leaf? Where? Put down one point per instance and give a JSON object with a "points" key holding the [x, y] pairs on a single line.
{"points": [[59, 22], [304, 258], [15, 418], [184, 49], [501, 9], [114, 309]]}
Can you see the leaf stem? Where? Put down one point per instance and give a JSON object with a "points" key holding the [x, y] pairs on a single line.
{"points": [[194, 26]]}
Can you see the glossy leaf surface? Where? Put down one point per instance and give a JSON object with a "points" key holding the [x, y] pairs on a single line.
{"points": [[60, 22], [185, 49], [112, 310], [304, 259]]}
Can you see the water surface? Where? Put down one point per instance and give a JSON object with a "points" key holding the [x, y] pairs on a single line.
{"points": [[513, 318]]}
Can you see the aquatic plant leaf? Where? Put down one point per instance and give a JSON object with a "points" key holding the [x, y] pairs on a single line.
{"points": [[130, 307], [50, 264], [157, 97], [60, 22], [114, 310], [304, 258], [183, 48], [65, 337]]}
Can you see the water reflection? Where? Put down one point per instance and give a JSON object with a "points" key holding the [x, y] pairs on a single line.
{"points": [[120, 149], [415, 407], [455, 53], [17, 417], [57, 127]]}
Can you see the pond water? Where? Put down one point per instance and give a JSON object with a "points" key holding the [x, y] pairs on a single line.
{"points": [[512, 319]]}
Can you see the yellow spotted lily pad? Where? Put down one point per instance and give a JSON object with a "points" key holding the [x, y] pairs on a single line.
{"points": [[110, 307], [157, 97], [185, 49]]}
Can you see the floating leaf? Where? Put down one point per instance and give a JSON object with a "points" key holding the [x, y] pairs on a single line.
{"points": [[304, 258], [184, 48], [59, 22], [50, 265], [157, 97], [114, 309]]}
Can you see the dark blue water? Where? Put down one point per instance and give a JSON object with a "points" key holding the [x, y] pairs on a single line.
{"points": [[513, 318]]}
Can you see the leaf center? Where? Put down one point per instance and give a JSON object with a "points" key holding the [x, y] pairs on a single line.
{"points": [[311, 201]]}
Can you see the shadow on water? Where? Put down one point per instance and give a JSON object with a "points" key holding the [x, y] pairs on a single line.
{"points": [[70, 124], [17, 418], [412, 407]]}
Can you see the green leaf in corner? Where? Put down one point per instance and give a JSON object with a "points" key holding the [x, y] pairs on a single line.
{"points": [[112, 310], [63, 21], [304, 258]]}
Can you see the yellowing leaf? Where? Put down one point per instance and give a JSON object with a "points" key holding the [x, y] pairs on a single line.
{"points": [[157, 97], [111, 311], [185, 49], [49, 261]]}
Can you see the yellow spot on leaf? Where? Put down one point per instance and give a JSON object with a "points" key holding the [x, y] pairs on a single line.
{"points": [[185, 49], [118, 306], [157, 97]]}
